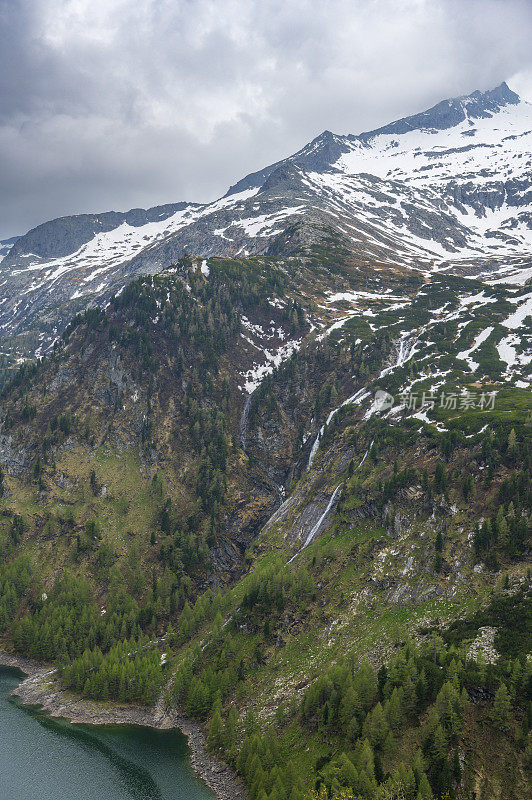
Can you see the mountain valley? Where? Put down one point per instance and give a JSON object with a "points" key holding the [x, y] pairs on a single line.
{"points": [[267, 460]]}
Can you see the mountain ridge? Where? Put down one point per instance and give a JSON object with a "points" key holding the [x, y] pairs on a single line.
{"points": [[455, 197], [478, 102]]}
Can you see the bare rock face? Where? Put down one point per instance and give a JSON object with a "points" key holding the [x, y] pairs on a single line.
{"points": [[224, 556], [12, 458], [64, 378], [396, 522], [306, 521], [483, 647]]}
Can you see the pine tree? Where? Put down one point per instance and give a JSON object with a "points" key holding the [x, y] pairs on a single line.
{"points": [[501, 708], [198, 698], [348, 707], [468, 487], [94, 483], [440, 478], [243, 755], [230, 728], [439, 744], [366, 759], [376, 727], [503, 532], [258, 780], [366, 683], [424, 791], [394, 711], [512, 443]]}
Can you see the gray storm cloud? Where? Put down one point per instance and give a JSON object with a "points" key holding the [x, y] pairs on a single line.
{"points": [[112, 104]]}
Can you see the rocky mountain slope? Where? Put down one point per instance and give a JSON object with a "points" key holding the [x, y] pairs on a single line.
{"points": [[6, 245], [447, 190]]}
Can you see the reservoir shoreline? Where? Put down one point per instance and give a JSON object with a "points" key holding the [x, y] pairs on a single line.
{"points": [[41, 688]]}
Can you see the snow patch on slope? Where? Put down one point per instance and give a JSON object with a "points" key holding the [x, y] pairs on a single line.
{"points": [[465, 354]]}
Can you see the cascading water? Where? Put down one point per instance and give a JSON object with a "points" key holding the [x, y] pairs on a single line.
{"points": [[317, 526]]}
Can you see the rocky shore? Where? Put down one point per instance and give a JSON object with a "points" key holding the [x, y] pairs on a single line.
{"points": [[42, 688]]}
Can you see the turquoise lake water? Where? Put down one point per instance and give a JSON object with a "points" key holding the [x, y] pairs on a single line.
{"points": [[46, 759]]}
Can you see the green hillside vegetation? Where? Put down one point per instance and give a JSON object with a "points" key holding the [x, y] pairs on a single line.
{"points": [[139, 554]]}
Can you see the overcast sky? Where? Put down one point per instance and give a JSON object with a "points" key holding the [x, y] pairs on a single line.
{"points": [[114, 104]]}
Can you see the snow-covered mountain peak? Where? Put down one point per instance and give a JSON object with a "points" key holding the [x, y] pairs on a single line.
{"points": [[447, 189], [491, 100], [453, 183], [409, 146], [448, 113], [475, 142]]}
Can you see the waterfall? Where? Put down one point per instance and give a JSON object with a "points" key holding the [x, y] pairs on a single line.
{"points": [[316, 528], [358, 396], [244, 421]]}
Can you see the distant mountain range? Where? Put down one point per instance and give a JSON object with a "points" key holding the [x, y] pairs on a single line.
{"points": [[448, 189]]}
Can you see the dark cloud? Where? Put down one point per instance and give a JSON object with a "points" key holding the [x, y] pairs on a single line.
{"points": [[121, 103]]}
